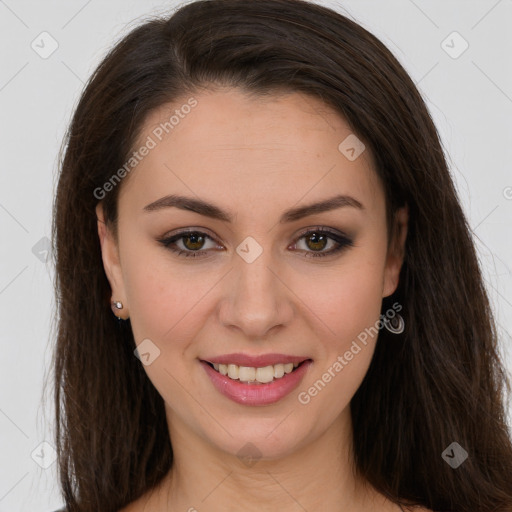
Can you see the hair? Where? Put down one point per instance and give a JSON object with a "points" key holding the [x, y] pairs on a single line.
{"points": [[442, 380]]}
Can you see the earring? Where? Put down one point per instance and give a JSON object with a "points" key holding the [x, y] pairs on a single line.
{"points": [[395, 325], [118, 305]]}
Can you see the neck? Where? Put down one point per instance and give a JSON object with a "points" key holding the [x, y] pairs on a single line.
{"points": [[318, 476]]}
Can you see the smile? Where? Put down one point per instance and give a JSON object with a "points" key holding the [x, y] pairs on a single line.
{"points": [[256, 375], [256, 385]]}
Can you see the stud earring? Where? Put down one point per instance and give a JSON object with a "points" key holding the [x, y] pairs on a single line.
{"points": [[117, 304], [395, 325]]}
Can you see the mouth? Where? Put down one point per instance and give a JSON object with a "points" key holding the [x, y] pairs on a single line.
{"points": [[256, 375], [272, 378]]}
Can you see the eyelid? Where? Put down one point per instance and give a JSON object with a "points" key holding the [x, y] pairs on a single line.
{"points": [[342, 241], [340, 238], [322, 229], [304, 231], [181, 233]]}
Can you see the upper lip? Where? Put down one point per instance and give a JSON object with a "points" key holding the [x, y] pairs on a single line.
{"points": [[255, 361]]}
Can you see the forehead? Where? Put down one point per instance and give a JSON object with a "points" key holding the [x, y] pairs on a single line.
{"points": [[254, 150]]}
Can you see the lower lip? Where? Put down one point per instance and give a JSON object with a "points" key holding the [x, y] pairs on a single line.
{"points": [[257, 394]]}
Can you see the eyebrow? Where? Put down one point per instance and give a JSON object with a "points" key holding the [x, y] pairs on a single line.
{"points": [[210, 210]]}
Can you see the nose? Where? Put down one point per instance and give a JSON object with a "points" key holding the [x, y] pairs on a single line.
{"points": [[256, 298]]}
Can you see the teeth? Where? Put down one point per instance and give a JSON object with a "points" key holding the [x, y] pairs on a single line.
{"points": [[251, 374], [265, 374], [278, 371], [248, 374], [233, 371]]}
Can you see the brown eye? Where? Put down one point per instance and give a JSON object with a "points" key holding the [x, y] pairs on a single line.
{"points": [[192, 243], [316, 240], [187, 243], [196, 241]]}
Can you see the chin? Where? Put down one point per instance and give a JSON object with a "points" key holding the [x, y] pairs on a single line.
{"points": [[263, 439]]}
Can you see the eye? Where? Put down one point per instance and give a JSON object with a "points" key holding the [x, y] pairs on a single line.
{"points": [[192, 242], [317, 239]]}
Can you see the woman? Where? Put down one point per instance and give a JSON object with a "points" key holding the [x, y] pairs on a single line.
{"points": [[269, 298]]}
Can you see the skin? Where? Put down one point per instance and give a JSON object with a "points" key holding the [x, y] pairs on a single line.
{"points": [[254, 157]]}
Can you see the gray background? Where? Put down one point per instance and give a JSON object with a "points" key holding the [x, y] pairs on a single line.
{"points": [[469, 95]]}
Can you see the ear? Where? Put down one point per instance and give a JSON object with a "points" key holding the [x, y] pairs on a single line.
{"points": [[396, 251], [111, 262]]}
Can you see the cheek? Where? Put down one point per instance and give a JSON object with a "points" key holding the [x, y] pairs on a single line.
{"points": [[348, 314], [162, 309], [160, 302], [346, 301], [164, 298]]}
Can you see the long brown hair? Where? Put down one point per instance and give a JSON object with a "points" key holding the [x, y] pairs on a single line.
{"points": [[440, 381]]}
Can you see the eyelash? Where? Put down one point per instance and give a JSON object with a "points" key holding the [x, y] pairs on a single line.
{"points": [[342, 241]]}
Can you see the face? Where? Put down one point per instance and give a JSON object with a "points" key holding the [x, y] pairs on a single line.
{"points": [[256, 273]]}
